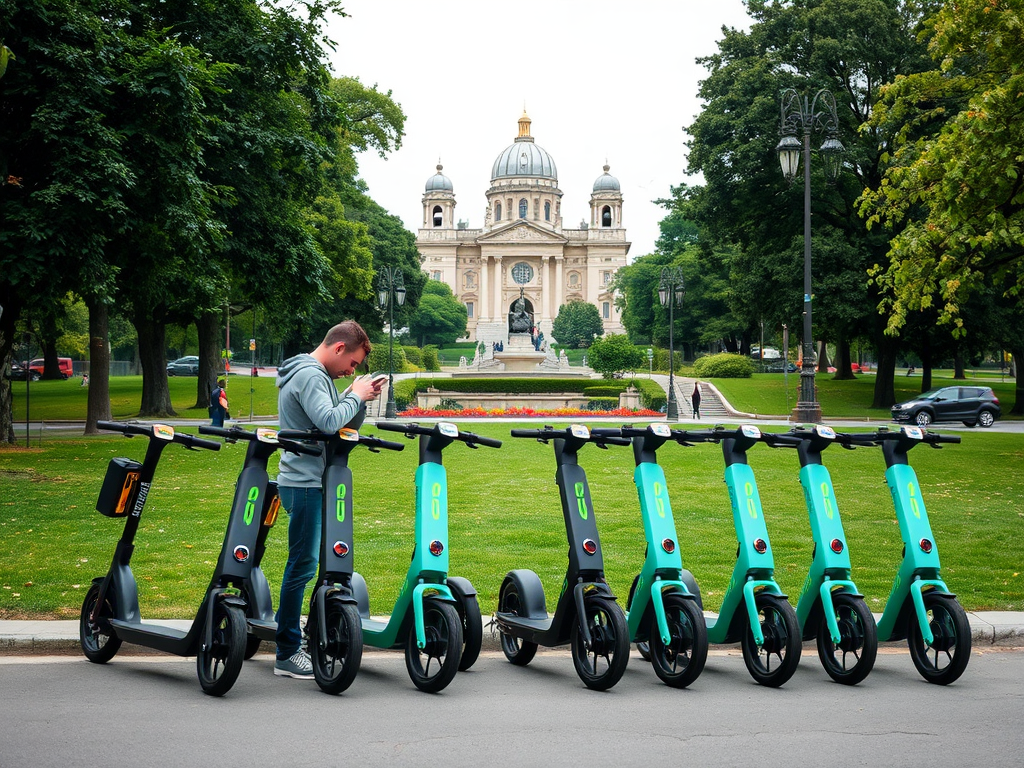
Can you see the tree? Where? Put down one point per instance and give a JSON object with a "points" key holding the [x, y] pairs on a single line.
{"points": [[440, 318], [614, 353], [577, 325]]}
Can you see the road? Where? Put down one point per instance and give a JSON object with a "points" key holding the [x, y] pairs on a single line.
{"points": [[150, 711]]}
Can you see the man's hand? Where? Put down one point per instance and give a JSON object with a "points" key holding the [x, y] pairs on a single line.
{"points": [[364, 389]]}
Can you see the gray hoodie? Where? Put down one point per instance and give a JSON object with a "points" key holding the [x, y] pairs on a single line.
{"points": [[308, 399]]}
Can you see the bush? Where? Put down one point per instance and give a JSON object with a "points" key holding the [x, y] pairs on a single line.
{"points": [[723, 366], [449, 404], [413, 355], [613, 354], [603, 391], [430, 361], [602, 404]]}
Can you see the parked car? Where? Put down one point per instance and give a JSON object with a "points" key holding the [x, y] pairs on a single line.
{"points": [[184, 366], [19, 373], [971, 405], [63, 365], [779, 367]]}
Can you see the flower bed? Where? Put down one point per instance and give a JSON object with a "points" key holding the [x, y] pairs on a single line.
{"points": [[416, 412]]}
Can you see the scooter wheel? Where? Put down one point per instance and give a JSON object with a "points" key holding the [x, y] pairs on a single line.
{"points": [[434, 666], [98, 639], [642, 646], [520, 652], [472, 628], [946, 658], [850, 661], [602, 664], [218, 665], [335, 665], [774, 662], [682, 660]]}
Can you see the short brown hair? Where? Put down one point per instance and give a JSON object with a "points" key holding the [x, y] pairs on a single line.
{"points": [[350, 333]]}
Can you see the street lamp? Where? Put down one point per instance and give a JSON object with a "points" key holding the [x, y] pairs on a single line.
{"points": [[671, 291], [819, 117], [390, 288]]}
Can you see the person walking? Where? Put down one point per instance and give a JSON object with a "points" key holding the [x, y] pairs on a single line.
{"points": [[219, 404], [695, 399], [308, 399]]}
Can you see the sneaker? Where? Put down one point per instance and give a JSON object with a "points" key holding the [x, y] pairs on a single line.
{"points": [[298, 665]]}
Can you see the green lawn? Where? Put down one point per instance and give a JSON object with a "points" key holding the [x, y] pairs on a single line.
{"points": [[504, 513]]}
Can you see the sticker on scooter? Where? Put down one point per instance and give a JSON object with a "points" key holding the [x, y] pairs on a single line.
{"points": [[661, 430], [913, 432], [581, 431], [447, 429], [250, 504], [822, 431], [347, 433], [163, 431], [266, 435], [581, 500], [339, 509], [748, 430]]}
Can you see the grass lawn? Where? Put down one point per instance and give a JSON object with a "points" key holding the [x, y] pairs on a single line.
{"points": [[504, 514]]}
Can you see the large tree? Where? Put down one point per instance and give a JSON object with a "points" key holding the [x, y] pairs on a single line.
{"points": [[577, 325], [440, 318]]}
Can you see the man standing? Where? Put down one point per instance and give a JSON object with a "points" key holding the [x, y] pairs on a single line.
{"points": [[695, 399], [308, 399], [219, 404]]}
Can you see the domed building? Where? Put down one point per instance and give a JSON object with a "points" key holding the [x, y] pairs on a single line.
{"points": [[523, 244]]}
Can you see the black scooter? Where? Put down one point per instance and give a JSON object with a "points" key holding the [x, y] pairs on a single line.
{"points": [[110, 612], [586, 615]]}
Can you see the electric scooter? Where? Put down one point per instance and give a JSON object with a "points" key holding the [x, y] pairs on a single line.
{"points": [[754, 611], [830, 609], [436, 617], [586, 615], [662, 612], [920, 607], [110, 612]]}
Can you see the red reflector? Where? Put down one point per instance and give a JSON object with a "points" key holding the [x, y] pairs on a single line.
{"points": [[241, 553], [668, 545], [589, 546], [760, 546], [926, 546], [340, 548], [837, 546], [436, 547]]}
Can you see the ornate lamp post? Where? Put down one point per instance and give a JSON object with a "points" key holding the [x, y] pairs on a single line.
{"points": [[390, 288], [818, 117], [671, 291]]}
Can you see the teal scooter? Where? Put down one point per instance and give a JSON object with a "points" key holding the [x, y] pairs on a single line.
{"points": [[436, 617], [830, 609], [920, 608], [662, 612], [755, 611]]}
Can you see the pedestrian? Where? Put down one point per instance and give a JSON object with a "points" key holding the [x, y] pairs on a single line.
{"points": [[219, 404], [85, 380], [695, 399], [308, 399]]}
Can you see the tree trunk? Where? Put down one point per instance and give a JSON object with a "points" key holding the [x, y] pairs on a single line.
{"points": [[822, 357], [208, 327], [12, 307], [156, 395], [958, 367], [926, 363], [99, 366], [885, 382], [1018, 404], [844, 371]]}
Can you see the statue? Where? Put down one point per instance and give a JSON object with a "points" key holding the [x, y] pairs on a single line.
{"points": [[521, 322]]}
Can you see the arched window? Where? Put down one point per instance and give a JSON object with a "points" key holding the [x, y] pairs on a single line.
{"points": [[574, 279], [606, 310], [438, 216], [523, 206], [606, 216], [497, 211], [547, 211]]}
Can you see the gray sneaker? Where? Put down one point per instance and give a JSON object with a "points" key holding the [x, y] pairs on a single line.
{"points": [[298, 665]]}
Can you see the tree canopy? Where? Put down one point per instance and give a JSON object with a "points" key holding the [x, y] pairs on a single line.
{"points": [[578, 323]]}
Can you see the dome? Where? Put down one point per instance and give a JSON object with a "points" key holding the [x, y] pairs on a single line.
{"points": [[606, 182], [439, 182], [524, 158]]}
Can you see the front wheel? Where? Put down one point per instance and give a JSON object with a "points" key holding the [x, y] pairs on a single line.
{"points": [[336, 664], [434, 666], [602, 664], [986, 419], [923, 419], [520, 652], [98, 639], [472, 629], [850, 661], [946, 658], [680, 661], [774, 662], [219, 664]]}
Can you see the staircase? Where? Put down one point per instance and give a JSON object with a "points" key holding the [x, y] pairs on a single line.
{"points": [[711, 407]]}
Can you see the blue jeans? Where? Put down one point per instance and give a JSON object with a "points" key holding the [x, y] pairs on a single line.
{"points": [[304, 508]]}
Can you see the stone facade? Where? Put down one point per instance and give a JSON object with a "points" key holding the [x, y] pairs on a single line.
{"points": [[523, 244]]}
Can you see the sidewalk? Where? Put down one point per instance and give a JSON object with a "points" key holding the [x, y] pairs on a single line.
{"points": [[1003, 629]]}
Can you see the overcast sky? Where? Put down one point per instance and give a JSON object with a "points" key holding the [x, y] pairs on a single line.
{"points": [[601, 81]]}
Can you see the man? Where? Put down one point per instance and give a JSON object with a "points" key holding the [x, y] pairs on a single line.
{"points": [[308, 399], [219, 404]]}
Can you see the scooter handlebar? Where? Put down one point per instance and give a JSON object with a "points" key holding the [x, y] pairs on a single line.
{"points": [[146, 430], [471, 439], [293, 446], [411, 428], [599, 436]]}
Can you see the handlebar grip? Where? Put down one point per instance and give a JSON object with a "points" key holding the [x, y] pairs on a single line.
{"points": [[197, 442], [298, 434], [376, 442], [295, 447], [490, 442], [613, 440], [935, 438], [120, 426], [528, 432], [206, 429], [394, 426], [605, 432]]}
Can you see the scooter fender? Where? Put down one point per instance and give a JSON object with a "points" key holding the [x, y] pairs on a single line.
{"points": [[531, 592], [213, 597], [749, 588], [440, 592], [362, 594], [579, 594], [828, 607], [916, 589], [658, 590], [319, 603]]}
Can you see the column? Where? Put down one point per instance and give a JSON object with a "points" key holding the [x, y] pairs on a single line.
{"points": [[545, 290], [499, 309], [559, 284], [482, 314]]}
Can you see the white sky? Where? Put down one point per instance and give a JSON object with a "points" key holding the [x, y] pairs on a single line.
{"points": [[600, 79]]}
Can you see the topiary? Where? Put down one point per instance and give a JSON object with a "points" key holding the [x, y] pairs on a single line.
{"points": [[723, 366]]}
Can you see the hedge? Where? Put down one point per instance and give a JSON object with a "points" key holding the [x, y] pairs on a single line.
{"points": [[651, 394], [723, 366]]}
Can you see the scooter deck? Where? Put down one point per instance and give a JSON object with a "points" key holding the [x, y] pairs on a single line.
{"points": [[156, 636]]}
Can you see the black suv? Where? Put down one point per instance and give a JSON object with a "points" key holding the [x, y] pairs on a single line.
{"points": [[971, 405]]}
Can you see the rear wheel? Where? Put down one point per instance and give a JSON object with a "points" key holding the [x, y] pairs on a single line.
{"points": [[520, 652], [774, 662], [472, 628], [850, 661], [434, 666], [680, 661], [946, 658], [986, 419], [219, 664], [98, 639], [336, 664], [923, 419], [602, 664]]}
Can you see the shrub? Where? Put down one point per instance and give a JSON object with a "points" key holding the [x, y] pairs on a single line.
{"points": [[413, 355], [430, 361], [613, 354], [602, 404], [604, 391], [449, 404], [723, 366], [378, 358]]}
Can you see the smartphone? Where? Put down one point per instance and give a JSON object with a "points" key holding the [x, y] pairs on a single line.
{"points": [[377, 378]]}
